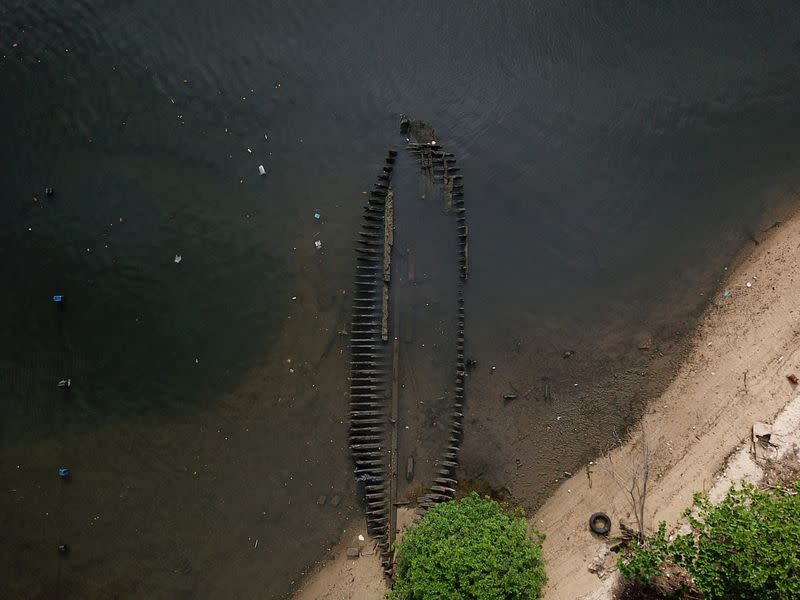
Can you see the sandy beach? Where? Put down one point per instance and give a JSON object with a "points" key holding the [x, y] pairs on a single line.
{"points": [[735, 375], [340, 577]]}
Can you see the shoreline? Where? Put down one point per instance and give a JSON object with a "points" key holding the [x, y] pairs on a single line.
{"points": [[338, 577], [732, 376], [341, 578]]}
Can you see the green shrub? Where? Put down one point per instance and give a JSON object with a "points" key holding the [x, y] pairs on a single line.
{"points": [[747, 546], [470, 549]]}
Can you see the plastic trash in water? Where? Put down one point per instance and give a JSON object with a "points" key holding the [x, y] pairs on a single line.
{"points": [[178, 258], [317, 215], [64, 472], [261, 170], [65, 383], [318, 244], [58, 298]]}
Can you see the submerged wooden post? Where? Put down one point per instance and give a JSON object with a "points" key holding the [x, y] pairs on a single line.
{"points": [[388, 242], [388, 236]]}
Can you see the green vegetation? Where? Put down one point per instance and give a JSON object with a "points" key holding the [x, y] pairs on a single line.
{"points": [[747, 546], [470, 549]]}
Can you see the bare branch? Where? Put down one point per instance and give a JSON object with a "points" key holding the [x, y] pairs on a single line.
{"points": [[633, 479]]}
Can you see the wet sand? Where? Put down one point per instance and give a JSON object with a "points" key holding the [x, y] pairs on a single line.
{"points": [[339, 577], [565, 411]]}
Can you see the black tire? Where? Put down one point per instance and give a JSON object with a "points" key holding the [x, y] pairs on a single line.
{"points": [[600, 523]]}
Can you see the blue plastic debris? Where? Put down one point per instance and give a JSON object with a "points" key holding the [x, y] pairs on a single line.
{"points": [[63, 472], [58, 298], [317, 215], [726, 293]]}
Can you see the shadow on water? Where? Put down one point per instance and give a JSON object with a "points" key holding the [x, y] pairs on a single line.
{"points": [[615, 160]]}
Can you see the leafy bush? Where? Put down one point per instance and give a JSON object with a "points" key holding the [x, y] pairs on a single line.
{"points": [[470, 549], [747, 546]]}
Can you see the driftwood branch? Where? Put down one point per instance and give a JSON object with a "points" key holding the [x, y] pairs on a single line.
{"points": [[634, 479]]}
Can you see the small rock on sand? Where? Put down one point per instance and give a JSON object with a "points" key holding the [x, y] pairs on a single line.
{"points": [[761, 430]]}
